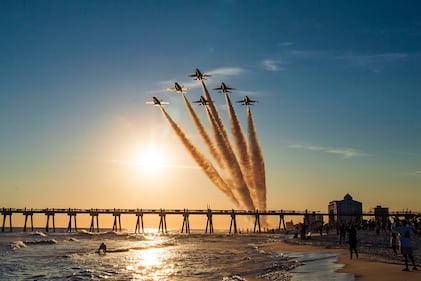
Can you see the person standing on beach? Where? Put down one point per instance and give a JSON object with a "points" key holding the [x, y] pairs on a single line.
{"points": [[404, 230], [394, 242], [352, 237]]}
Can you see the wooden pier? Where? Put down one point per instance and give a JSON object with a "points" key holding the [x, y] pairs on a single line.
{"points": [[162, 213]]}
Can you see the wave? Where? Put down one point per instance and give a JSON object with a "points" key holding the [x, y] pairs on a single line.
{"points": [[40, 242], [17, 245], [24, 244]]}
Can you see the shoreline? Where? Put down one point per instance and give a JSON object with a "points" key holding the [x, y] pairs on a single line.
{"points": [[375, 262]]}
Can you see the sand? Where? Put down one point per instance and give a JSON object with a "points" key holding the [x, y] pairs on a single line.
{"points": [[375, 262]]}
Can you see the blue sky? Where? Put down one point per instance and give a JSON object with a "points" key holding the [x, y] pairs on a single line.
{"points": [[337, 84]]}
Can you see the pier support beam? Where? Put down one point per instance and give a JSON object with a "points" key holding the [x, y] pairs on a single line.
{"points": [[233, 222], [186, 223], [94, 215], [28, 214], [209, 223], [50, 214], [7, 213], [162, 222], [117, 219], [139, 222], [281, 221], [71, 215], [257, 222]]}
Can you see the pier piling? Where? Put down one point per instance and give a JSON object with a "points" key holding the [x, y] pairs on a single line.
{"points": [[233, 221], [281, 221], [71, 215], [209, 222], [257, 222], [139, 222], [117, 218], [162, 222], [186, 223], [94, 215], [28, 214], [50, 214], [7, 213]]}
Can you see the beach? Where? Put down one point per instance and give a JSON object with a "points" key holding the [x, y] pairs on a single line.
{"points": [[375, 262]]}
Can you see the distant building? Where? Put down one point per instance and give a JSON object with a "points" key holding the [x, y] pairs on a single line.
{"points": [[345, 211], [381, 216], [313, 221]]}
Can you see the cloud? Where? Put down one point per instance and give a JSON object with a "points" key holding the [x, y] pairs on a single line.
{"points": [[286, 44], [344, 152], [373, 62], [226, 71], [273, 65]]}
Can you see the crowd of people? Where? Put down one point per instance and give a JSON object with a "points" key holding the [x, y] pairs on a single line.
{"points": [[401, 234]]}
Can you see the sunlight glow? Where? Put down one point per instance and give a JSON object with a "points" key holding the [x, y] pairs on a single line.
{"points": [[151, 159]]}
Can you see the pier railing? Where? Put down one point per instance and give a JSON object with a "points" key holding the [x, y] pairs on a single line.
{"points": [[162, 213]]}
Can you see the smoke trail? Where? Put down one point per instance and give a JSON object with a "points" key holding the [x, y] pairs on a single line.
{"points": [[214, 112], [231, 163], [201, 160], [206, 139], [257, 161], [242, 150]]}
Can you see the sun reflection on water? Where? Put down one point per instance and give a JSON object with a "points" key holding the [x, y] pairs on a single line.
{"points": [[155, 263]]}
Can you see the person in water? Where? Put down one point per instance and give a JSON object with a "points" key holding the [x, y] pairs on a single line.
{"points": [[102, 248]]}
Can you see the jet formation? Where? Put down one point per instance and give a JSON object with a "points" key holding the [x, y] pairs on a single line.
{"points": [[198, 75], [237, 168]]}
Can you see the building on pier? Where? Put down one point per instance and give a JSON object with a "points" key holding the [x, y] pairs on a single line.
{"points": [[345, 211]]}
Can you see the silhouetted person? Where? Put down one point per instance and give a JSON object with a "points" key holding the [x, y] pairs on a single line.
{"points": [[342, 232], [404, 230], [394, 243], [102, 248], [352, 237]]}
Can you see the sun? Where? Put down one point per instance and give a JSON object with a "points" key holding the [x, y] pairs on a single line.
{"points": [[151, 159]]}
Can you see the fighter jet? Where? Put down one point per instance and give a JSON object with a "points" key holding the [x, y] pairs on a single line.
{"points": [[178, 89], [247, 101], [156, 102], [224, 88], [199, 75], [202, 101]]}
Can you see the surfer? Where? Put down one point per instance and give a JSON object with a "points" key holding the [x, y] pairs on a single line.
{"points": [[102, 248]]}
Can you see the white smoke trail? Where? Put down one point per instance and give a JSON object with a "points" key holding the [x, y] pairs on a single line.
{"points": [[201, 160], [206, 139], [228, 155], [257, 161], [242, 150]]}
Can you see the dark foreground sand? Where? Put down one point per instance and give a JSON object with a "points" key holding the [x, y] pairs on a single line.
{"points": [[376, 260]]}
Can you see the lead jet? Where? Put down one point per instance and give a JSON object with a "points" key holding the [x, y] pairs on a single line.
{"points": [[202, 101], [247, 101], [156, 102], [224, 88], [179, 89], [199, 75]]}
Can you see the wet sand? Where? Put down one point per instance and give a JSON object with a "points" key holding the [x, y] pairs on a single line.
{"points": [[376, 260]]}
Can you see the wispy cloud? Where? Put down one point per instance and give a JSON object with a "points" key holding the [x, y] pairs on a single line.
{"points": [[286, 44], [344, 152], [226, 71], [273, 65], [375, 62]]}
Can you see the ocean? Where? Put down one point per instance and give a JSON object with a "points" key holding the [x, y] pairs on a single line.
{"points": [[73, 256]]}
